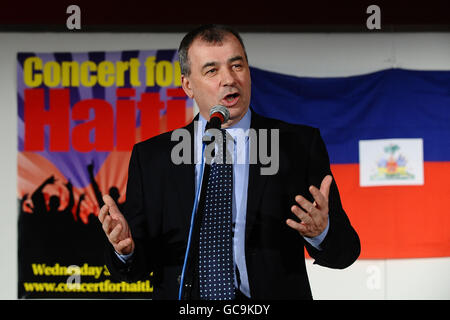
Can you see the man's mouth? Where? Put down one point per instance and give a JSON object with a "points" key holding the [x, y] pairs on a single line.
{"points": [[231, 99]]}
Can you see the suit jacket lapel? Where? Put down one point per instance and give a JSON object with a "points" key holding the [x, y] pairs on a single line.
{"points": [[256, 181], [184, 178]]}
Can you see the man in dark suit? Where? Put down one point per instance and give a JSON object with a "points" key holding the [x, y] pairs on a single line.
{"points": [[274, 216]]}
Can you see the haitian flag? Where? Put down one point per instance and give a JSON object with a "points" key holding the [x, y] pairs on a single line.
{"points": [[79, 115], [388, 139]]}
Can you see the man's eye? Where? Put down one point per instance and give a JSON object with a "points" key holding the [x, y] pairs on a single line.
{"points": [[237, 66], [210, 71]]}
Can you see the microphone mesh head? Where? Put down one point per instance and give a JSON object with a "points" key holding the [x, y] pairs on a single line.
{"points": [[223, 110]]}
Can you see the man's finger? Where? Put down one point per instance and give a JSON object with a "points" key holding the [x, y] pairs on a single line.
{"points": [[305, 204], [319, 198], [109, 224], [297, 226], [321, 204], [325, 186], [123, 244], [113, 209], [103, 213], [106, 224], [114, 236], [304, 217]]}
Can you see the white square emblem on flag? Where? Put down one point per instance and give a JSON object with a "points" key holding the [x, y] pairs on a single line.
{"points": [[391, 162]]}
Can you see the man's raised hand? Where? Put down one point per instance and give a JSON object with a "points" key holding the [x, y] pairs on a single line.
{"points": [[116, 227], [314, 216]]}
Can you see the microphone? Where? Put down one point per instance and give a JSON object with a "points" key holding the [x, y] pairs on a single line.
{"points": [[217, 116]]}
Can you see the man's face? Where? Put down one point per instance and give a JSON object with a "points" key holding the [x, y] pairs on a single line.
{"points": [[219, 75]]}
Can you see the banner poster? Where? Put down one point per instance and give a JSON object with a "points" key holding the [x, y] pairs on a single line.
{"points": [[79, 115]]}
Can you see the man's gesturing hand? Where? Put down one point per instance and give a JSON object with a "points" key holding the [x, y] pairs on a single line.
{"points": [[314, 217], [116, 227]]}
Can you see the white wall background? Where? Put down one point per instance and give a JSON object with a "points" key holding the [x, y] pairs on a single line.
{"points": [[315, 55]]}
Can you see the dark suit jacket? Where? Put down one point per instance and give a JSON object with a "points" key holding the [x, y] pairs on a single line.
{"points": [[159, 201]]}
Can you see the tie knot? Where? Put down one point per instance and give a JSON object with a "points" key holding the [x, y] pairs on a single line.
{"points": [[224, 146], [217, 141]]}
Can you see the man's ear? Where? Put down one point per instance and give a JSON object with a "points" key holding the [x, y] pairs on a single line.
{"points": [[186, 84]]}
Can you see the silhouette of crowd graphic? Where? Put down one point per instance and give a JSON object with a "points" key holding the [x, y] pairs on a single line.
{"points": [[50, 235]]}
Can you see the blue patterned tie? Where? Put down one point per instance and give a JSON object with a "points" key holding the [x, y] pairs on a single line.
{"points": [[216, 244]]}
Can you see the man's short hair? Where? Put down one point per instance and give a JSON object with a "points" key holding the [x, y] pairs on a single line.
{"points": [[210, 33]]}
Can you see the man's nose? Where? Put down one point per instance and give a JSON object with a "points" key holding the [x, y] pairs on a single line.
{"points": [[228, 78]]}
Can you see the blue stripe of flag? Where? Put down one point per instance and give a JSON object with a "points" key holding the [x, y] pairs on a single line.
{"points": [[393, 103]]}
